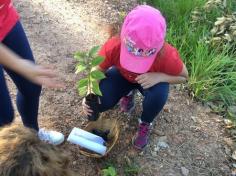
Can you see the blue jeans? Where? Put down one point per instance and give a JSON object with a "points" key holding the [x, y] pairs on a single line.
{"points": [[28, 93], [115, 86]]}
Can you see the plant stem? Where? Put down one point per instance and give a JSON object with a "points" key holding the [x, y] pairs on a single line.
{"points": [[89, 79], [89, 83]]}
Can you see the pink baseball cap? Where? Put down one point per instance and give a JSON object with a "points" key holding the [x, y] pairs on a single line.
{"points": [[142, 37]]}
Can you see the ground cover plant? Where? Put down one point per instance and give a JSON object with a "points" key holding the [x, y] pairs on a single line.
{"points": [[205, 34]]}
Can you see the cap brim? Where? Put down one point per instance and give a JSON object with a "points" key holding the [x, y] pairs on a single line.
{"points": [[133, 63]]}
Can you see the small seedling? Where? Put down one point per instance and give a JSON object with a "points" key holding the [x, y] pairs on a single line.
{"points": [[110, 171], [86, 61], [131, 168], [89, 86]]}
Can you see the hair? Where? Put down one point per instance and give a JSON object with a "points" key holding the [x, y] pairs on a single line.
{"points": [[114, 29], [23, 154]]}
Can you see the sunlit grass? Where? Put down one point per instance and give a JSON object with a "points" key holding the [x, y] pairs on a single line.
{"points": [[212, 73]]}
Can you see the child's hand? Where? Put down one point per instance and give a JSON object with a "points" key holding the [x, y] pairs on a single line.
{"points": [[86, 109], [39, 75], [148, 80]]}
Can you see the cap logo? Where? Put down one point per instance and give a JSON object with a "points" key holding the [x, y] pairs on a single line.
{"points": [[130, 45]]}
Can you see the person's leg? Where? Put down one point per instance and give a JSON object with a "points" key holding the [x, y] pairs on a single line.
{"points": [[113, 87], [28, 92], [6, 109], [154, 101]]}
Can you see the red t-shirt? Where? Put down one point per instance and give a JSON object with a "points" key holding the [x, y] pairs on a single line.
{"points": [[168, 61], [8, 17]]}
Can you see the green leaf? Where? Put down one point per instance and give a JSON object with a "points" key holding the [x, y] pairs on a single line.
{"points": [[112, 171], [79, 68], [80, 56], [83, 90], [94, 51], [83, 83], [95, 88], [98, 75], [96, 61], [105, 172]]}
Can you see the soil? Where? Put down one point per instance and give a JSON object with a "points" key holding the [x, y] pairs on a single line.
{"points": [[92, 101], [195, 136]]}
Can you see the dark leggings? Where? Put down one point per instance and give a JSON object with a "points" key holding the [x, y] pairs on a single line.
{"points": [[28, 93], [115, 86]]}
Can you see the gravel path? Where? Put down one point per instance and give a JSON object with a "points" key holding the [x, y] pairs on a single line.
{"points": [[58, 28]]}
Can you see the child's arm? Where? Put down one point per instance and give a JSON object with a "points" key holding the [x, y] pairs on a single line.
{"points": [[148, 80], [27, 69]]}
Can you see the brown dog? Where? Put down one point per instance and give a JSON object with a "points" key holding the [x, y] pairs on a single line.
{"points": [[23, 154]]}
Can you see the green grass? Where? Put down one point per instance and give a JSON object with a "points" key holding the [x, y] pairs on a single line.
{"points": [[212, 73], [176, 11], [131, 168]]}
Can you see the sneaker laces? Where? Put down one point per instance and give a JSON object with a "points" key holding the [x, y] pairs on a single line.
{"points": [[143, 129], [45, 135]]}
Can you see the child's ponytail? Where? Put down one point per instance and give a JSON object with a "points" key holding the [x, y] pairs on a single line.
{"points": [[114, 29]]}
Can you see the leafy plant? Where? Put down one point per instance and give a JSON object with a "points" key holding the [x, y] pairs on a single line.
{"points": [[131, 168], [221, 21], [110, 171], [86, 61], [212, 73]]}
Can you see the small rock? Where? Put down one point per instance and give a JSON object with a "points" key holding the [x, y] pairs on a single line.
{"points": [[141, 153], [184, 171], [194, 118], [156, 149], [234, 155], [228, 122], [166, 109], [188, 102], [74, 163], [153, 153], [162, 145], [234, 165]]}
